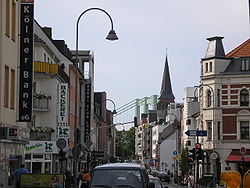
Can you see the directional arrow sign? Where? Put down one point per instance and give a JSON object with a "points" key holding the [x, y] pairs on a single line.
{"points": [[191, 132], [201, 133]]}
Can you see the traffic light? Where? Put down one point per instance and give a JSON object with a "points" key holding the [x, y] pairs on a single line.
{"points": [[135, 122], [199, 152], [192, 154], [62, 156]]}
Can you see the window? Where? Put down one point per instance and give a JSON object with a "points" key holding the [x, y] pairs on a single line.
{"points": [[209, 130], [244, 97], [218, 97], [44, 57], [43, 136], [7, 23], [12, 89], [13, 27], [210, 66], [218, 129], [6, 87], [209, 98], [206, 67], [244, 130], [245, 64]]}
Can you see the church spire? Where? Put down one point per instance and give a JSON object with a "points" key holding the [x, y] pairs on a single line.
{"points": [[166, 88]]}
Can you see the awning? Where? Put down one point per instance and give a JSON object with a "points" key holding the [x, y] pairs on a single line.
{"points": [[235, 156]]}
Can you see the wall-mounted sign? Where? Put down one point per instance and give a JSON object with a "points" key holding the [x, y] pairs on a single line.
{"points": [[41, 147], [63, 131], [62, 104], [87, 115], [26, 61]]}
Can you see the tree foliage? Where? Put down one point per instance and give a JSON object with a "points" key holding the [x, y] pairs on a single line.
{"points": [[125, 144], [185, 163]]}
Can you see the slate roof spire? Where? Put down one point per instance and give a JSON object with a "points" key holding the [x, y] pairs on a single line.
{"points": [[166, 88]]}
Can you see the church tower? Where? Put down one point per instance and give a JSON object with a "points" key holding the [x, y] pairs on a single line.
{"points": [[166, 95]]}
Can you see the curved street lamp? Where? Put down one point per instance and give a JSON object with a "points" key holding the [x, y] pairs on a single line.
{"points": [[114, 111], [111, 36]]}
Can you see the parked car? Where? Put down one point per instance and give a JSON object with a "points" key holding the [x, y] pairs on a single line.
{"points": [[163, 176], [157, 182], [120, 175]]}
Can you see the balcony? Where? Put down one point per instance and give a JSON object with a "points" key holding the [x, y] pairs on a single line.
{"points": [[45, 68], [41, 102]]}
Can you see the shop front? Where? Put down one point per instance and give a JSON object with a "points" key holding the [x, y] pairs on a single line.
{"points": [[42, 157]]}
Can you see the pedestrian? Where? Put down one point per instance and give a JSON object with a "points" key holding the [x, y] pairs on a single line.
{"points": [[86, 179], [191, 182], [17, 175]]}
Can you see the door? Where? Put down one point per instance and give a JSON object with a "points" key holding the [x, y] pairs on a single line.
{"points": [[37, 167]]}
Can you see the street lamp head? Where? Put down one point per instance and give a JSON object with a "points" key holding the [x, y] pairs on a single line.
{"points": [[112, 35]]}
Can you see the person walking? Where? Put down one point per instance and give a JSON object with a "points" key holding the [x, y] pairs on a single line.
{"points": [[17, 175], [86, 179], [190, 180]]}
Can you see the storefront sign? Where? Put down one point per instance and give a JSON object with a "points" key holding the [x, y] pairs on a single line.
{"points": [[63, 104], [41, 147], [63, 131], [87, 118], [26, 60]]}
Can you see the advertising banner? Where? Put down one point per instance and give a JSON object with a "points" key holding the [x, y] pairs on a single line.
{"points": [[26, 60], [41, 147]]}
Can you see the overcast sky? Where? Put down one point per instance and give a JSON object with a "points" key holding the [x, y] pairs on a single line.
{"points": [[132, 67]]}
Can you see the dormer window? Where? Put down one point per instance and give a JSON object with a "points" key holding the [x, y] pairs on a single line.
{"points": [[244, 97], [245, 64]]}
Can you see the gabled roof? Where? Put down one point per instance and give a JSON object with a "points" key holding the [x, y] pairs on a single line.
{"points": [[166, 88], [242, 50]]}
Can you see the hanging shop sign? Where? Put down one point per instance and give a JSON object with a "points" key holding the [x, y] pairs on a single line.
{"points": [[41, 147], [26, 60], [62, 104], [87, 114], [63, 131]]}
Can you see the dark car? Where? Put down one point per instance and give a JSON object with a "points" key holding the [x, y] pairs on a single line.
{"points": [[164, 177], [120, 175]]}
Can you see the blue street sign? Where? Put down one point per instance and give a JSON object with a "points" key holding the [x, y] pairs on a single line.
{"points": [[201, 133], [196, 133], [191, 132]]}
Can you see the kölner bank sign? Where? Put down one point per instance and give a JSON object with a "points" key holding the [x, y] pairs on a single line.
{"points": [[26, 60]]}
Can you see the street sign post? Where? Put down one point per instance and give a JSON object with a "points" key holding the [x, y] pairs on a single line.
{"points": [[196, 133]]}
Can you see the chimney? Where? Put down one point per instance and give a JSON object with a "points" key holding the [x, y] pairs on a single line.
{"points": [[48, 31]]}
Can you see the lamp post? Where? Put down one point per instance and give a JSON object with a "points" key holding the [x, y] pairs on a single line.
{"points": [[114, 111], [213, 122], [111, 36]]}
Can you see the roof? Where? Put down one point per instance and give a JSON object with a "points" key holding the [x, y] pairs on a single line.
{"points": [[166, 88], [215, 47], [119, 165], [242, 50]]}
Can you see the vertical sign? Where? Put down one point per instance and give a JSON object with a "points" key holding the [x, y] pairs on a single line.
{"points": [[62, 104], [87, 113], [26, 60]]}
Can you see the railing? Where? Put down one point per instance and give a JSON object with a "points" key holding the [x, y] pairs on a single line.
{"points": [[41, 104], [44, 67]]}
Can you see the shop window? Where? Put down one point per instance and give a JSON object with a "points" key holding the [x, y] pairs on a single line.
{"points": [[27, 156], [244, 130], [244, 97]]}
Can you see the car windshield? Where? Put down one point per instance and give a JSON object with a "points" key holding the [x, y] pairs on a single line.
{"points": [[117, 178]]}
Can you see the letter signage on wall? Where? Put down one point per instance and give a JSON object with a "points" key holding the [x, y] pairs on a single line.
{"points": [[87, 115], [62, 104], [26, 60]]}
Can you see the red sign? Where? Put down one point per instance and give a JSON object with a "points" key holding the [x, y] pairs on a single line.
{"points": [[243, 150]]}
